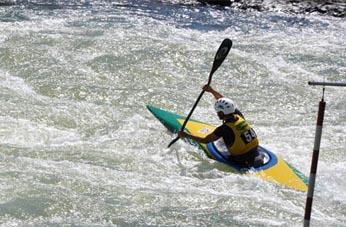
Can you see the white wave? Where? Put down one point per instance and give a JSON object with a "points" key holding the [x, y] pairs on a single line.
{"points": [[15, 84], [28, 134]]}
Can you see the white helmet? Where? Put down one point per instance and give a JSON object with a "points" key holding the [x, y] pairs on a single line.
{"points": [[225, 105]]}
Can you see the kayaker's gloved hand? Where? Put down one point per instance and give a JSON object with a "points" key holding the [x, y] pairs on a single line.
{"points": [[182, 134], [207, 88], [211, 90]]}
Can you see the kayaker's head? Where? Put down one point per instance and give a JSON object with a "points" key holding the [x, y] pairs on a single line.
{"points": [[224, 108]]}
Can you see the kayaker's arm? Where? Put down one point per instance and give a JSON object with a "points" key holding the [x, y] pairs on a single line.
{"points": [[217, 96], [209, 138], [209, 89]]}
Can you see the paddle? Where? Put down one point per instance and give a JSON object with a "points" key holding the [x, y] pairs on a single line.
{"points": [[220, 56]]}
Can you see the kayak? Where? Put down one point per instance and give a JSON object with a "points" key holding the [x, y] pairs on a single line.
{"points": [[273, 169]]}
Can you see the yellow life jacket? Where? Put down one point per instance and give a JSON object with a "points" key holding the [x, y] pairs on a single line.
{"points": [[245, 138]]}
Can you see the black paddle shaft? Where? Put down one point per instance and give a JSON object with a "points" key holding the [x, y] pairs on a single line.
{"points": [[220, 56]]}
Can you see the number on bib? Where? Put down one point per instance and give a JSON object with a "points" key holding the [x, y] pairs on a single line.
{"points": [[248, 135]]}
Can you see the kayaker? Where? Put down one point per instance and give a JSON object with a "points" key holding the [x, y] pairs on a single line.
{"points": [[239, 137]]}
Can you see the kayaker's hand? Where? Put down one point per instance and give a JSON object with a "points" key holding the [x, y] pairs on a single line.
{"points": [[216, 94], [182, 134], [207, 88]]}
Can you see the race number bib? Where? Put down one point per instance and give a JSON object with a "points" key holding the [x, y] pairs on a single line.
{"points": [[248, 136]]}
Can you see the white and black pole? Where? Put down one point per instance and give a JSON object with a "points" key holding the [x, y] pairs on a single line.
{"points": [[316, 151], [314, 162]]}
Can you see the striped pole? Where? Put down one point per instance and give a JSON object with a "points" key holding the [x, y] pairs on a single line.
{"points": [[318, 136], [314, 162]]}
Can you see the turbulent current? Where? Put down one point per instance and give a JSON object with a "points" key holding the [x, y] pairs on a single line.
{"points": [[79, 148]]}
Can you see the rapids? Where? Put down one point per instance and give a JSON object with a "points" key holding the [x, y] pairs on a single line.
{"points": [[78, 147]]}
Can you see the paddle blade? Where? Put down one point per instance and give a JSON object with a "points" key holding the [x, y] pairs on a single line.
{"points": [[220, 55]]}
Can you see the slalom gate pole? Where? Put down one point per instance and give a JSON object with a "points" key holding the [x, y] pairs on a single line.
{"points": [[314, 162], [316, 151]]}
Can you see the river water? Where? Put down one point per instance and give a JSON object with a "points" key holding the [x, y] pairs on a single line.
{"points": [[78, 147]]}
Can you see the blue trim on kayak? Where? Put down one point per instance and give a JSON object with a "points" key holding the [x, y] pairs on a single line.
{"points": [[225, 158]]}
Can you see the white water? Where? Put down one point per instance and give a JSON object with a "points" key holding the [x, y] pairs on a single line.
{"points": [[78, 147]]}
